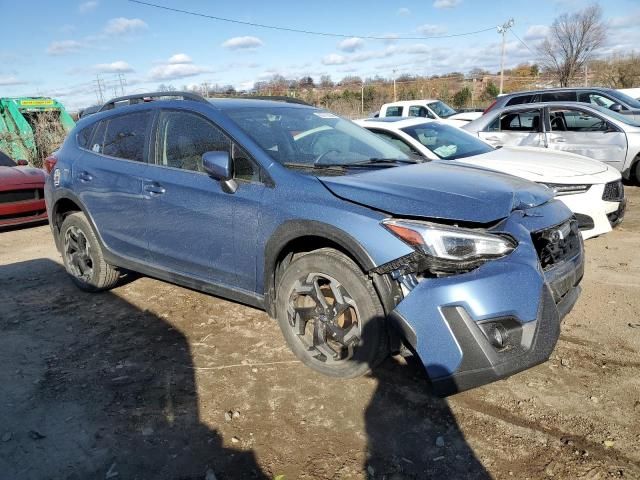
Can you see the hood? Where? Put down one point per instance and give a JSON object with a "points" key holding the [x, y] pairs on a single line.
{"points": [[466, 116], [439, 190], [14, 176], [537, 164]]}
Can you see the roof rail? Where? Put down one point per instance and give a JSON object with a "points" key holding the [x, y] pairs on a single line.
{"points": [[146, 97], [274, 98]]}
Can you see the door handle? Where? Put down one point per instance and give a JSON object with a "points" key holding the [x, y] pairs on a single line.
{"points": [[154, 189], [85, 176], [493, 139], [559, 140]]}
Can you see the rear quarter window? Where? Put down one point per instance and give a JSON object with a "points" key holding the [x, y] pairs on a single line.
{"points": [[84, 137], [520, 99], [558, 97]]}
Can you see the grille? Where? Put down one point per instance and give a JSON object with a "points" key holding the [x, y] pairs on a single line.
{"points": [[13, 196], [613, 191], [557, 244]]}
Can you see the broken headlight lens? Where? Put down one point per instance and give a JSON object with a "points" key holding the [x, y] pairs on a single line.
{"points": [[451, 245]]}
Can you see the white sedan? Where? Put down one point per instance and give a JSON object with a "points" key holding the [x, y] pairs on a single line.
{"points": [[591, 189]]}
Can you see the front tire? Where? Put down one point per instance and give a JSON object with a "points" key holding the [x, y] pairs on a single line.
{"points": [[83, 257], [330, 314]]}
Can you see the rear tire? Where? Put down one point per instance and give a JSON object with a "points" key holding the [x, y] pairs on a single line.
{"points": [[636, 171], [83, 257], [330, 314]]}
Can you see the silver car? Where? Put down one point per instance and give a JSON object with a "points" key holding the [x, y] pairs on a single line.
{"points": [[587, 130]]}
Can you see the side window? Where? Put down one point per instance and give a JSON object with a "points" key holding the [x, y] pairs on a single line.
{"points": [[558, 97], [397, 142], [519, 100], [123, 136], [394, 112], [567, 120], [244, 168], [84, 136], [528, 121], [184, 137], [418, 111], [596, 99]]}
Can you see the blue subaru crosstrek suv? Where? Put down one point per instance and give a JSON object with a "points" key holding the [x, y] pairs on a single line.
{"points": [[356, 249]]}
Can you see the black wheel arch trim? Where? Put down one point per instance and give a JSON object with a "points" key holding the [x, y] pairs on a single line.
{"points": [[297, 229]]}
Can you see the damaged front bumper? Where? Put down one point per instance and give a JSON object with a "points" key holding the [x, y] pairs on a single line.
{"points": [[497, 320]]}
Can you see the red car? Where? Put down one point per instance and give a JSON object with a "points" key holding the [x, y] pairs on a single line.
{"points": [[21, 193]]}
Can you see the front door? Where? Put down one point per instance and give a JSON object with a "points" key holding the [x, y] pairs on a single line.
{"points": [[192, 223], [515, 128], [578, 131]]}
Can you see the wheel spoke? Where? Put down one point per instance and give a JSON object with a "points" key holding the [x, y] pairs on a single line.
{"points": [[320, 341]]}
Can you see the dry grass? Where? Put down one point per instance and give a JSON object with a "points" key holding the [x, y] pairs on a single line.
{"points": [[49, 135]]}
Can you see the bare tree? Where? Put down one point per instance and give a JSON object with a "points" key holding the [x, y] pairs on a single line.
{"points": [[571, 41]]}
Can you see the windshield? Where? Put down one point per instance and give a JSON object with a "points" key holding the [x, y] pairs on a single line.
{"points": [[617, 116], [442, 109], [447, 142], [5, 161], [313, 138], [624, 98]]}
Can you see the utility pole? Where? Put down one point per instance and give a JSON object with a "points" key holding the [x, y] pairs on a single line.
{"points": [[395, 96], [362, 98], [586, 74], [503, 29]]}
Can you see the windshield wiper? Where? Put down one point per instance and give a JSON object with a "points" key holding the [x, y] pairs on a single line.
{"points": [[378, 162]]}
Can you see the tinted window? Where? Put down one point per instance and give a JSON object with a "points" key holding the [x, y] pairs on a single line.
{"points": [[184, 137], [447, 142], [123, 136], [84, 136], [567, 120], [5, 160], [626, 99], [527, 121], [558, 97], [442, 109], [520, 99], [394, 112], [595, 99]]}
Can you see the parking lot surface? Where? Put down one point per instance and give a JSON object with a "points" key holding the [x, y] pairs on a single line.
{"points": [[156, 381]]}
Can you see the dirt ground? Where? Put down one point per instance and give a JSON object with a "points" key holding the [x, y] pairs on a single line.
{"points": [[144, 382]]}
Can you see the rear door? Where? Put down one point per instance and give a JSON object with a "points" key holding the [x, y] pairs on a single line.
{"points": [[516, 128], [582, 132], [195, 228], [107, 176]]}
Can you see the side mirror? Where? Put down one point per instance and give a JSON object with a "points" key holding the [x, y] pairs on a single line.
{"points": [[616, 107], [219, 166], [22, 163]]}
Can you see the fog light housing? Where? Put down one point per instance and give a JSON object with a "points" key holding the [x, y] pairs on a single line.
{"points": [[502, 334]]}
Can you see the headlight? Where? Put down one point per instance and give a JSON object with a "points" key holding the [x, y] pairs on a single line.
{"points": [[560, 189], [451, 248]]}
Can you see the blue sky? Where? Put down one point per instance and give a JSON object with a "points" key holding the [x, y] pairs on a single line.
{"points": [[57, 48]]}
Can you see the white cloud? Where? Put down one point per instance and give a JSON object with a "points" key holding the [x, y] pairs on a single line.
{"points": [[351, 44], [63, 47], [7, 80], [403, 12], [446, 3], [431, 30], [179, 58], [122, 26], [119, 66], [236, 43], [86, 7], [177, 66], [536, 32], [334, 59]]}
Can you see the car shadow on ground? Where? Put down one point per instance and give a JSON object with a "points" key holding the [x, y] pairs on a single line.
{"points": [[95, 387]]}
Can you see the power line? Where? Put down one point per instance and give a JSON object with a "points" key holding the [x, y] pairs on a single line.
{"points": [[295, 30], [527, 46]]}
